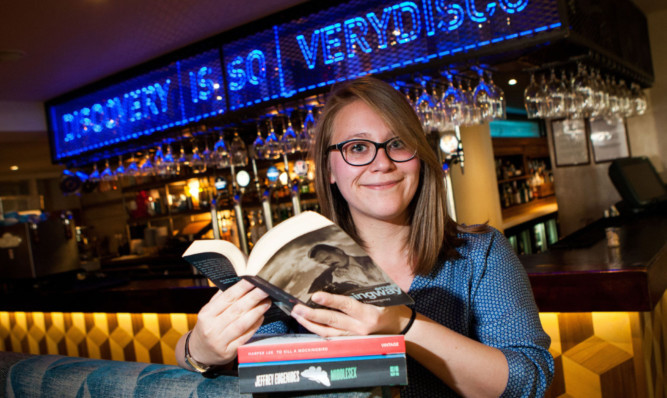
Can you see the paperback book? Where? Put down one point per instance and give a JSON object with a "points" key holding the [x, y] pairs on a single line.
{"points": [[301, 255], [323, 374], [292, 347]]}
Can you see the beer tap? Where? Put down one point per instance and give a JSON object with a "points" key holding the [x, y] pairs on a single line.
{"points": [[239, 183], [294, 189], [214, 216], [263, 194]]}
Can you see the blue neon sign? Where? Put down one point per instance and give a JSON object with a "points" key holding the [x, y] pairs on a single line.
{"points": [[180, 93], [364, 37], [342, 42]]}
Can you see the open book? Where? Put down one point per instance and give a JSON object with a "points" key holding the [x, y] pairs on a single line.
{"points": [[301, 255]]}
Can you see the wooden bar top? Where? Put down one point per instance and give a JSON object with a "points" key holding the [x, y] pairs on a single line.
{"points": [[581, 273]]}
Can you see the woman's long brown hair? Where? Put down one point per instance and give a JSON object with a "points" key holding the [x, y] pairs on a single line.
{"points": [[432, 232]]}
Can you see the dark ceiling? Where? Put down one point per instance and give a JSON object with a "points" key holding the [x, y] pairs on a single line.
{"points": [[48, 48]]}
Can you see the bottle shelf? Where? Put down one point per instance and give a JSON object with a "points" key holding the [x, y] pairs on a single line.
{"points": [[519, 214], [516, 178]]}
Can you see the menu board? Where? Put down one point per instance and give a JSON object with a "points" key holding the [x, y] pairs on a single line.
{"points": [[338, 43]]}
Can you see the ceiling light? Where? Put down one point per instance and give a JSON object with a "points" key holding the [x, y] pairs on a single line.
{"points": [[511, 82], [14, 168]]}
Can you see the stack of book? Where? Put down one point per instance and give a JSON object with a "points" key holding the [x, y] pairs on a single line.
{"points": [[300, 362]]}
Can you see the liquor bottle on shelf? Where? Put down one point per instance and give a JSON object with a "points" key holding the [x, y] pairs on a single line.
{"points": [[516, 193]]}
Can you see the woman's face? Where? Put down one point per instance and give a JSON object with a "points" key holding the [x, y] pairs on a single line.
{"points": [[381, 190]]}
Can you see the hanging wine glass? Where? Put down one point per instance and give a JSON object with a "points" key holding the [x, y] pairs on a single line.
{"points": [[107, 174], [497, 95], [271, 144], [207, 155], [221, 153], [624, 98], [161, 168], [437, 123], [639, 100], [570, 98], [425, 105], [453, 103], [584, 86], [119, 173], [614, 96], [289, 139], [132, 169], [555, 92], [545, 99], [95, 174], [474, 113], [600, 95], [197, 161], [182, 160], [258, 144], [146, 168], [482, 99], [307, 135], [171, 167], [302, 137], [532, 98], [239, 152]]}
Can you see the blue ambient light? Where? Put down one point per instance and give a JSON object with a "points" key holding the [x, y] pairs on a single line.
{"points": [[173, 95], [342, 42]]}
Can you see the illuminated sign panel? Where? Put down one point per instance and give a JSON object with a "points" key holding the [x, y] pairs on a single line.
{"points": [[180, 93], [363, 37], [342, 42], [253, 70]]}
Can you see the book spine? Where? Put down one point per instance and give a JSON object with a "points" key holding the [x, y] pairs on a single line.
{"points": [[326, 374], [289, 351], [280, 297]]}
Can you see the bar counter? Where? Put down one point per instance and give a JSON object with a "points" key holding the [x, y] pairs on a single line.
{"points": [[581, 273], [603, 307]]}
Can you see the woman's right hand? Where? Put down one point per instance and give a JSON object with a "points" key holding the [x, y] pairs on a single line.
{"points": [[227, 321]]}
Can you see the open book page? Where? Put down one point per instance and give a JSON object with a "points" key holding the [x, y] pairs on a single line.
{"points": [[218, 260], [302, 255], [327, 259], [281, 235], [202, 252]]}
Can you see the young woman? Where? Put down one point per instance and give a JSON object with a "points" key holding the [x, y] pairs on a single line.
{"points": [[474, 329]]}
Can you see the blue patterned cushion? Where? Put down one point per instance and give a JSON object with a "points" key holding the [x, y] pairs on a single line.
{"points": [[60, 376]]}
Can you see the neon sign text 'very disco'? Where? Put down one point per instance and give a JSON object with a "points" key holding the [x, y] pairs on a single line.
{"points": [[348, 40], [446, 16], [362, 37]]}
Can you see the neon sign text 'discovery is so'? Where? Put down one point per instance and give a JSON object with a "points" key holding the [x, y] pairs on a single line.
{"points": [[342, 42]]}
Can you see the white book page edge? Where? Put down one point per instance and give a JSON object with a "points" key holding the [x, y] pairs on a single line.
{"points": [[265, 339], [280, 235]]}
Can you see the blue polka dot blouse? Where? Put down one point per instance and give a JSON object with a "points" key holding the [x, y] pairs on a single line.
{"points": [[485, 295]]}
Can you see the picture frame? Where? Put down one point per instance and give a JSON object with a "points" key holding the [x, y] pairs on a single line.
{"points": [[570, 142], [609, 139]]}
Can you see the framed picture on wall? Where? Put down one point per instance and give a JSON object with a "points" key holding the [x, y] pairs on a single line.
{"points": [[570, 142], [609, 139]]}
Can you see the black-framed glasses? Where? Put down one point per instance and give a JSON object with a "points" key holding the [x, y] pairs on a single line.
{"points": [[359, 152]]}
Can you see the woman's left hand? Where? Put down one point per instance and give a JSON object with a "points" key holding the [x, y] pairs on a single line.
{"points": [[352, 317]]}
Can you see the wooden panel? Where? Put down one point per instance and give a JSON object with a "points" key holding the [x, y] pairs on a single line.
{"points": [[575, 328]]}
